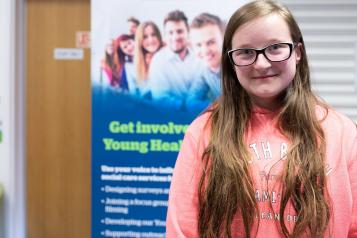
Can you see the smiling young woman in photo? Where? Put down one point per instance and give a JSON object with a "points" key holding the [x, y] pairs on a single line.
{"points": [[147, 42]]}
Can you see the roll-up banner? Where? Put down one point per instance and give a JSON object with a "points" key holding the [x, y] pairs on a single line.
{"points": [[155, 67]]}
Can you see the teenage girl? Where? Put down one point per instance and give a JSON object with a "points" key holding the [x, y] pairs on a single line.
{"points": [[269, 159]]}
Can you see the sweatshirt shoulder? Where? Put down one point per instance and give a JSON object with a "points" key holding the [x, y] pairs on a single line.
{"points": [[200, 127], [340, 134], [335, 121]]}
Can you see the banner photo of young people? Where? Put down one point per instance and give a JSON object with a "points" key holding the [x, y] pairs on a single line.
{"points": [[155, 67]]}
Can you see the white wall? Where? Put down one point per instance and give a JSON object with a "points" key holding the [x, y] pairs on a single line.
{"points": [[330, 36], [12, 209]]}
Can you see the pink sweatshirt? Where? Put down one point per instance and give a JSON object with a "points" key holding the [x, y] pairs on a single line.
{"points": [[268, 147]]}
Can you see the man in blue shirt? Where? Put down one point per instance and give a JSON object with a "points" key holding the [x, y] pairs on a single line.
{"points": [[206, 32], [174, 68]]}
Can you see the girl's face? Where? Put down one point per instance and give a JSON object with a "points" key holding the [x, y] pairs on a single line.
{"points": [[127, 47], [151, 41], [264, 80]]}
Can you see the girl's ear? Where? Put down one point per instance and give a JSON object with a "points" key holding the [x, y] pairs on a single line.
{"points": [[298, 49]]}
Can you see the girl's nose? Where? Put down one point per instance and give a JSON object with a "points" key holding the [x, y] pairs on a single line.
{"points": [[262, 62]]}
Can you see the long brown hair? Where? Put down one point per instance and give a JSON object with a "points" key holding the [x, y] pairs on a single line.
{"points": [[119, 59], [226, 185]]}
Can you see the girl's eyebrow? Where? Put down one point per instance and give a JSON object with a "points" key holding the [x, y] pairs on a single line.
{"points": [[243, 46], [269, 42]]}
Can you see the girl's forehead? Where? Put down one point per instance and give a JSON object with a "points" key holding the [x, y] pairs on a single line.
{"points": [[261, 31]]}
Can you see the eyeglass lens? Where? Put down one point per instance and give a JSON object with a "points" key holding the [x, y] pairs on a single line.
{"points": [[275, 53]]}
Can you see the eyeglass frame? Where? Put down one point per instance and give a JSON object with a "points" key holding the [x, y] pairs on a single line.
{"points": [[261, 51]]}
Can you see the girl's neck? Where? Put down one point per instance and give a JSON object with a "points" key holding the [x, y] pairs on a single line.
{"points": [[266, 103]]}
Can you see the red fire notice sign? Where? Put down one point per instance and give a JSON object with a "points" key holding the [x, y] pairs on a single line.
{"points": [[83, 39]]}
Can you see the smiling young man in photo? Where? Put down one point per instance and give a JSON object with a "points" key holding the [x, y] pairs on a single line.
{"points": [[174, 68], [206, 34]]}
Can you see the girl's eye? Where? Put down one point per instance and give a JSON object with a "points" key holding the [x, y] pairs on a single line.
{"points": [[245, 52], [274, 47]]}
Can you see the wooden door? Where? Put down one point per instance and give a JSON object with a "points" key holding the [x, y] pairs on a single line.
{"points": [[58, 122]]}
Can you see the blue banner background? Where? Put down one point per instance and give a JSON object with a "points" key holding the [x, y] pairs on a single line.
{"points": [[122, 206], [127, 110]]}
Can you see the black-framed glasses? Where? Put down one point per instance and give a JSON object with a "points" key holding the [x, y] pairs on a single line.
{"points": [[275, 53]]}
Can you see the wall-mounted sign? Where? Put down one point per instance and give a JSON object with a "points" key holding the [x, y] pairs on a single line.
{"points": [[68, 54], [83, 39]]}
